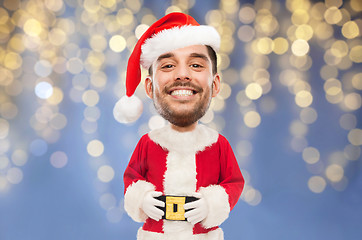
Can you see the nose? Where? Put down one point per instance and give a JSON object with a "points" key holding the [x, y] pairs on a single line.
{"points": [[182, 73]]}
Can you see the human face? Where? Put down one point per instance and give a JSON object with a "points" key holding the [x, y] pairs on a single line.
{"points": [[182, 85]]}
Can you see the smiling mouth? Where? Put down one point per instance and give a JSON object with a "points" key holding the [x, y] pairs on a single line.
{"points": [[182, 92]]}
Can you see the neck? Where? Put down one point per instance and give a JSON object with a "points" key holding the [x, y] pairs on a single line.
{"points": [[184, 129]]}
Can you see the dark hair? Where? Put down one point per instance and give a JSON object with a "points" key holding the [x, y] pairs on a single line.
{"points": [[212, 55]]}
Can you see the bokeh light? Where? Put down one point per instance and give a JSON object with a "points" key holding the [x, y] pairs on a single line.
{"points": [[14, 175], [300, 47], [252, 119], [117, 43], [95, 148], [105, 173], [303, 98], [311, 155], [58, 159], [19, 157], [253, 91], [317, 184], [44, 90]]}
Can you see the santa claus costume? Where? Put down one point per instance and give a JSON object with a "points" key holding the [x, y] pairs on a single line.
{"points": [[179, 163]]}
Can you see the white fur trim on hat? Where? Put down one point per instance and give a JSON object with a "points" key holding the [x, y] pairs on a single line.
{"points": [[178, 37]]}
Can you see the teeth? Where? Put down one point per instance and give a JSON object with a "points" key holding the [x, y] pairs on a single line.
{"points": [[181, 93]]}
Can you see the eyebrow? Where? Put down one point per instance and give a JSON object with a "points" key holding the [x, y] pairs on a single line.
{"points": [[166, 55], [192, 55], [199, 55]]}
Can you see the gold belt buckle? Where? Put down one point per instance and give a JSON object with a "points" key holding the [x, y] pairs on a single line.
{"points": [[175, 208]]}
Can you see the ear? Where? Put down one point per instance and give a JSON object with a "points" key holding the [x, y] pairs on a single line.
{"points": [[216, 85], [149, 87]]}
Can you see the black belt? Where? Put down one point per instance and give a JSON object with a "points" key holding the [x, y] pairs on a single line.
{"points": [[173, 209]]}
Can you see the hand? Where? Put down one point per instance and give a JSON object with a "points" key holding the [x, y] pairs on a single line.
{"points": [[199, 210], [149, 205]]}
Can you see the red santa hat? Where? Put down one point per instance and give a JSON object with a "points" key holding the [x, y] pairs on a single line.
{"points": [[173, 31]]}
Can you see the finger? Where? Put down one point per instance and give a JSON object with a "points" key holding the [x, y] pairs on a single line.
{"points": [[197, 195], [188, 214], [156, 211], [151, 215], [193, 204], [193, 222], [192, 213], [155, 215], [195, 219], [158, 203], [156, 194]]}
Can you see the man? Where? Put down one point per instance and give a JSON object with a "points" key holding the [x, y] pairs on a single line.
{"points": [[183, 179]]}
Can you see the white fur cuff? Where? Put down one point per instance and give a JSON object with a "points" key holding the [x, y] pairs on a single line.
{"points": [[218, 204], [133, 199]]}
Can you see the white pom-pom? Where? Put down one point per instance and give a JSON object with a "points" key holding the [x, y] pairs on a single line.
{"points": [[128, 109]]}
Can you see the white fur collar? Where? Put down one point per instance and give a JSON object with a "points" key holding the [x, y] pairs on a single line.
{"points": [[194, 141]]}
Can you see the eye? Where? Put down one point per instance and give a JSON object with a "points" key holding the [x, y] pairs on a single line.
{"points": [[196, 65], [167, 66]]}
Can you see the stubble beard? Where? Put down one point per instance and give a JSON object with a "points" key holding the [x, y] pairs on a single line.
{"points": [[184, 118]]}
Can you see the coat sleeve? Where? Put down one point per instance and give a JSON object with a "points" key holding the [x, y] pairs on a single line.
{"points": [[222, 198], [135, 184]]}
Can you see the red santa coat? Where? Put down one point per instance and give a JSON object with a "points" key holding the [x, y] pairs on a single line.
{"points": [[180, 164]]}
